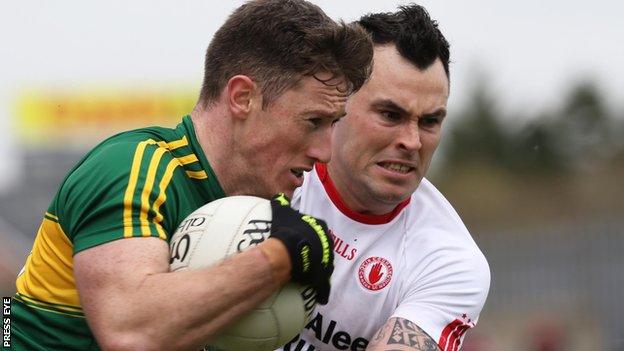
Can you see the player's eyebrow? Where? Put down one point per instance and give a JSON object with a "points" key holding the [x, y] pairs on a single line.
{"points": [[329, 114], [387, 104], [439, 113]]}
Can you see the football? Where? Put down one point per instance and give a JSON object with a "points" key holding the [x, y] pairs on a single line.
{"points": [[226, 227]]}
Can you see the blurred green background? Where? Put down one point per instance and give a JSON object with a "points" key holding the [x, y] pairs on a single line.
{"points": [[532, 155]]}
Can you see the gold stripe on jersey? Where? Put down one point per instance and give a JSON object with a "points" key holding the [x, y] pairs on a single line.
{"points": [[188, 159], [148, 186], [162, 196], [147, 190], [48, 274], [176, 144], [197, 174], [134, 176]]}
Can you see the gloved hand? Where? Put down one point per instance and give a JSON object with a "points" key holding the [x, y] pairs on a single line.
{"points": [[309, 245]]}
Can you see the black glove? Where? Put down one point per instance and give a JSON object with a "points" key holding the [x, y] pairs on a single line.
{"points": [[309, 245]]}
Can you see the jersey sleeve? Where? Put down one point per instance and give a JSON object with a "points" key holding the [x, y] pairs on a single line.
{"points": [[120, 190], [445, 298]]}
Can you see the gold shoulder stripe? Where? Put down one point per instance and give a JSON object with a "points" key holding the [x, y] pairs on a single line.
{"points": [[132, 181], [188, 159], [149, 184], [176, 144], [197, 174], [161, 231], [147, 190], [162, 196]]}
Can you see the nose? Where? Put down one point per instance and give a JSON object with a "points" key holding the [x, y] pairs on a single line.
{"points": [[320, 146], [409, 138]]}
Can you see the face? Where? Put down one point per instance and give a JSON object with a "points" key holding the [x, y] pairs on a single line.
{"points": [[384, 146], [291, 134]]}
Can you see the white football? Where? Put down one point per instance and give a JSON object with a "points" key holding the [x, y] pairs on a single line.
{"points": [[225, 227]]}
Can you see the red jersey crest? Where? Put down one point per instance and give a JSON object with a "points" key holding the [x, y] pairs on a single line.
{"points": [[375, 273]]}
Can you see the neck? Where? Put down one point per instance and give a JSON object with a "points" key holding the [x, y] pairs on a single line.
{"points": [[213, 134]]}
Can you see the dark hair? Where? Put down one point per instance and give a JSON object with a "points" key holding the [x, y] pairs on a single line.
{"points": [[278, 42], [416, 36]]}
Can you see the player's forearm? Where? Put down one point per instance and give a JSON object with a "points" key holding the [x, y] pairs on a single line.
{"points": [[222, 294], [184, 309]]}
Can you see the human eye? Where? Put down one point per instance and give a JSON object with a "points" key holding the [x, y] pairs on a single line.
{"points": [[391, 116], [314, 122], [429, 122]]}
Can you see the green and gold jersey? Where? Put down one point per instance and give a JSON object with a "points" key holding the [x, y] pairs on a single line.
{"points": [[135, 184]]}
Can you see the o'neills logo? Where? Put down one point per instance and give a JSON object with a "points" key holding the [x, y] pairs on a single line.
{"points": [[375, 273]]}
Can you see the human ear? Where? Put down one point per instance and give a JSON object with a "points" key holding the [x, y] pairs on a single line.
{"points": [[241, 95]]}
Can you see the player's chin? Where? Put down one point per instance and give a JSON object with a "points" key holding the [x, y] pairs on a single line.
{"points": [[393, 193], [395, 198]]}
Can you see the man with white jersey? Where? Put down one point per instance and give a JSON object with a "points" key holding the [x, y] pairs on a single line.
{"points": [[408, 275]]}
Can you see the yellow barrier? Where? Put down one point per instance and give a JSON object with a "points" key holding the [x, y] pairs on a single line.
{"points": [[81, 119]]}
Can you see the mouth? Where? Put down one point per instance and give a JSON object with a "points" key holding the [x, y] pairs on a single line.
{"points": [[397, 167], [298, 176], [298, 172]]}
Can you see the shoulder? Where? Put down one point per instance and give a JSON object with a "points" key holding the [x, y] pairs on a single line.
{"points": [[447, 277], [429, 204], [429, 213], [117, 158], [437, 236], [117, 171]]}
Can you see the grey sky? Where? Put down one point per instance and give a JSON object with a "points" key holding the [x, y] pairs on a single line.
{"points": [[532, 50]]}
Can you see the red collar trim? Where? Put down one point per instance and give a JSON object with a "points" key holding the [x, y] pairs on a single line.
{"points": [[334, 196]]}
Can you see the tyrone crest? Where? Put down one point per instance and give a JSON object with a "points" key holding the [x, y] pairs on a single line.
{"points": [[375, 273]]}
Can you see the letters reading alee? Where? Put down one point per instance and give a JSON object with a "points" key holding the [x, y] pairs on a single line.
{"points": [[328, 333]]}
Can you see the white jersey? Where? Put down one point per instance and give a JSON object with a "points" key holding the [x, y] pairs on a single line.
{"points": [[418, 262]]}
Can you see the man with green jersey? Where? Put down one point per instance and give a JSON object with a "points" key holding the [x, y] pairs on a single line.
{"points": [[277, 76]]}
